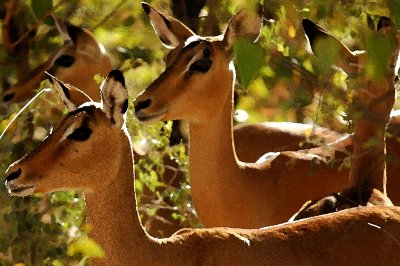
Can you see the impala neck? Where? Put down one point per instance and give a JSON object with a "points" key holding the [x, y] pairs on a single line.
{"points": [[112, 212], [213, 162], [368, 160]]}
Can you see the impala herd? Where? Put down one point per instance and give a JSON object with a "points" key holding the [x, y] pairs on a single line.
{"points": [[246, 177]]}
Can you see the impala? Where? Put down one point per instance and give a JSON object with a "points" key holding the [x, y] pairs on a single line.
{"points": [[88, 152], [82, 56], [197, 85], [76, 62], [372, 104]]}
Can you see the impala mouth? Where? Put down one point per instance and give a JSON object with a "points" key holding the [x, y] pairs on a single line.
{"points": [[149, 118], [19, 190]]}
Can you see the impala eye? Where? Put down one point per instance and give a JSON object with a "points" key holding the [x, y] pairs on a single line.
{"points": [[8, 97], [80, 134], [202, 65], [64, 61]]}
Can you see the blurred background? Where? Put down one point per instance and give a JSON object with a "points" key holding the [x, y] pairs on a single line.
{"points": [[278, 80]]}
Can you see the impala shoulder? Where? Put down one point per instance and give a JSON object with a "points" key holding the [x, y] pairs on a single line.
{"points": [[216, 234]]}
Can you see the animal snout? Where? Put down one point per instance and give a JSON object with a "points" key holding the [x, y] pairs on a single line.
{"points": [[142, 105], [13, 175]]}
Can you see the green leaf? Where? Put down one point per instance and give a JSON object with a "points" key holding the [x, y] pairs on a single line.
{"points": [[86, 247], [41, 7], [328, 54], [379, 52], [249, 60], [395, 10], [56, 263]]}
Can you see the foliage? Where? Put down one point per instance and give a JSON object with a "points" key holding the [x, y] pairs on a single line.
{"points": [[249, 60], [279, 80]]}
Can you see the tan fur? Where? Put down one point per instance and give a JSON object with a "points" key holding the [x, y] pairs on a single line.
{"points": [[90, 59], [107, 179], [242, 195], [371, 107]]}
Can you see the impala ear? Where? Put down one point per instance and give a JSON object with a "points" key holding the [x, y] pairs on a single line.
{"points": [[319, 39], [171, 31], [326, 46], [64, 92], [61, 27], [315, 34], [385, 23], [115, 97], [73, 32], [246, 24], [84, 41]]}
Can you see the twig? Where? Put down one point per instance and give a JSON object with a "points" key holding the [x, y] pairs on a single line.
{"points": [[22, 109], [38, 23], [109, 15], [9, 8]]}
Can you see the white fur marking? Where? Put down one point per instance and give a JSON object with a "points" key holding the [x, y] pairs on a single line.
{"points": [[67, 132]]}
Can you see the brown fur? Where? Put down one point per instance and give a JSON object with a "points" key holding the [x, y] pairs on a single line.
{"points": [[371, 108], [90, 60], [252, 140], [107, 181], [243, 195]]}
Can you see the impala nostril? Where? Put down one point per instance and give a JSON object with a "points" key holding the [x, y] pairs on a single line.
{"points": [[142, 105], [13, 175]]}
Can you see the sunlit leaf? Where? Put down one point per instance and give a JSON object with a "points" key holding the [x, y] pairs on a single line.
{"points": [[327, 51], [395, 12], [249, 60], [85, 247], [41, 8], [379, 51]]}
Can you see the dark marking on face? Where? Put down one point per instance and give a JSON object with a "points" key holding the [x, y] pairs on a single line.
{"points": [[73, 32], [14, 175], [202, 65], [64, 61], [85, 122], [8, 96], [142, 105], [124, 106], [118, 76], [207, 53], [82, 133], [146, 8], [192, 45], [89, 109]]}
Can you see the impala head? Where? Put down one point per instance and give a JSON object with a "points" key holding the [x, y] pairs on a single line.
{"points": [[76, 62], [319, 39], [199, 71], [87, 140], [350, 61]]}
